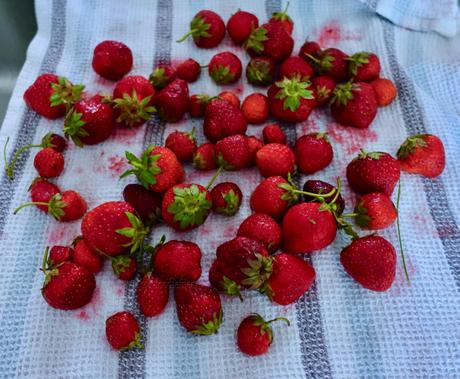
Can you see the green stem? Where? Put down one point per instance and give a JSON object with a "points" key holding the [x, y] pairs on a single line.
{"points": [[29, 204], [9, 167], [187, 35], [398, 197], [350, 215], [316, 60], [45, 260], [316, 195], [280, 319], [214, 177]]}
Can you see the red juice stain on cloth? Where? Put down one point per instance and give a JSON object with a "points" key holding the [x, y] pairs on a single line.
{"points": [[117, 165], [83, 316], [332, 33], [351, 139], [61, 234], [128, 136]]}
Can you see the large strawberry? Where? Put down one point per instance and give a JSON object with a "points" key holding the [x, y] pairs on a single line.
{"points": [[262, 228], [207, 29], [295, 66], [152, 295], [112, 59], [146, 203], [182, 144], [232, 153], [364, 67], [331, 62], [225, 68], [313, 152], [222, 119], [123, 332], [172, 102], [221, 283], [261, 71], [275, 159], [162, 75], [375, 211], [282, 19], [240, 26]]}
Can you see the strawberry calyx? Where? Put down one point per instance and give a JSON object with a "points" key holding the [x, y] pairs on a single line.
{"points": [[410, 144], [136, 232], [133, 109], [265, 327], [259, 72], [231, 288], [256, 39], [372, 155], [210, 327], [48, 268], [120, 263], [282, 16], [343, 93], [222, 74], [55, 206], [136, 343], [221, 162], [258, 272], [357, 60], [158, 78], [192, 135], [232, 203], [73, 127], [292, 91], [65, 93], [360, 215], [198, 29], [145, 167], [323, 93]]}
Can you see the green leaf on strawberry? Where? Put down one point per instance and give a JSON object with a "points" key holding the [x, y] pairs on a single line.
{"points": [[222, 74], [73, 127], [65, 93], [210, 327], [410, 144], [132, 109], [357, 60], [136, 232], [292, 91], [145, 168], [256, 39]]}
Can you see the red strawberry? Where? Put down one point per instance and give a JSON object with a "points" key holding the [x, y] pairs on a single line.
{"points": [[41, 191], [275, 159], [124, 267], [373, 172], [198, 104], [67, 286], [146, 203], [254, 144], [262, 228], [59, 254], [233, 152], [84, 256], [182, 144], [205, 157], [54, 141], [222, 119], [255, 108], [324, 88], [313, 152], [240, 26], [290, 279], [90, 122], [245, 261], [270, 40], [112, 60], [255, 335], [385, 91], [295, 66], [274, 134], [123, 332], [291, 100], [133, 100], [172, 102], [375, 211], [221, 283], [152, 295], [112, 227], [198, 308], [49, 163], [364, 67], [51, 96], [371, 261], [226, 198], [282, 19], [225, 68], [189, 70], [310, 51], [186, 206], [177, 261], [207, 29], [332, 62], [162, 75], [354, 104], [422, 154], [230, 97], [260, 71], [322, 188], [157, 169]]}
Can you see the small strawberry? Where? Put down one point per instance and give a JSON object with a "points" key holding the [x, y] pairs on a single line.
{"points": [[422, 154], [124, 267], [182, 144], [112, 59], [354, 104], [255, 108], [274, 134], [275, 159], [364, 67], [230, 97], [255, 335], [177, 261], [84, 256], [207, 29], [112, 228], [189, 70], [232, 153], [157, 169], [41, 191], [198, 104], [205, 157], [152, 295], [49, 163], [54, 141], [295, 66], [331, 62], [375, 211], [162, 75], [222, 119], [68, 285], [221, 283], [226, 198], [240, 26], [310, 51], [373, 172], [199, 308], [59, 254], [254, 145], [173, 101], [123, 332], [313, 152], [323, 188], [225, 68], [385, 91], [261, 71], [146, 203], [371, 261], [323, 87], [282, 19], [52, 96], [262, 228]]}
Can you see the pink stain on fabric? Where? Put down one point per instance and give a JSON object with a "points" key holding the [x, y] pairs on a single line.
{"points": [[332, 33], [62, 234], [128, 136], [117, 165], [351, 139]]}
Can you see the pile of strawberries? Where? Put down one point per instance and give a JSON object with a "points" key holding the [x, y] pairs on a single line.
{"points": [[296, 220]]}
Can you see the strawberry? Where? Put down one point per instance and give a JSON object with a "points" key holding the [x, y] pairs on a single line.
{"points": [[233, 152], [282, 19], [123, 332], [323, 87], [270, 40], [261, 71], [133, 100], [146, 203], [245, 261], [54, 141], [49, 163], [274, 134], [152, 295], [422, 154], [124, 267], [275, 159], [385, 91], [310, 51], [313, 152], [182, 144], [177, 261], [189, 70], [198, 104], [255, 108], [371, 261], [230, 97], [331, 62], [59, 254], [112, 59], [67, 286], [354, 104], [255, 335], [240, 25], [172, 102], [199, 308], [90, 122], [84, 256], [222, 119], [157, 169], [112, 227], [322, 188], [41, 191], [290, 279], [52, 96], [375, 211], [207, 29], [162, 75], [205, 157], [262, 228], [373, 172], [226, 198], [186, 206], [364, 67], [291, 100], [254, 145], [221, 283], [225, 68], [295, 66]]}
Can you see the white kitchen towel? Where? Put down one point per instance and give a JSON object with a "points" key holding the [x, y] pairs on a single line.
{"points": [[338, 330]]}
